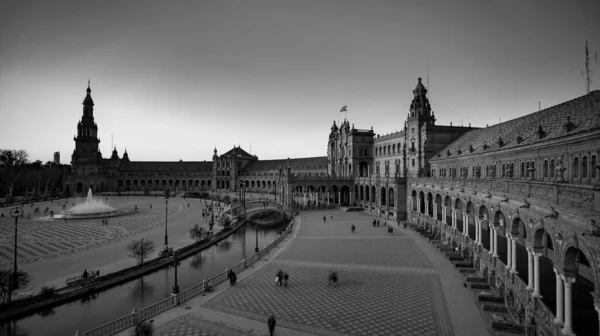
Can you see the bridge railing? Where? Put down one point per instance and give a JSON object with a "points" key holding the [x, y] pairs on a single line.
{"points": [[175, 300]]}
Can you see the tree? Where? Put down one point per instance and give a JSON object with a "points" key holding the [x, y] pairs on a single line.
{"points": [[13, 163], [225, 221], [197, 233], [5, 279], [140, 249]]}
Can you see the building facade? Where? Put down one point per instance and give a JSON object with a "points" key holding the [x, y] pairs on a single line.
{"points": [[523, 199]]}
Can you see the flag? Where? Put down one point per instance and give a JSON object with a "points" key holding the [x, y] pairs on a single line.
{"points": [[344, 109]]}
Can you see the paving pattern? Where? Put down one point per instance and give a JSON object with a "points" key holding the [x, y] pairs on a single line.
{"points": [[390, 251], [186, 325], [364, 302], [42, 238]]}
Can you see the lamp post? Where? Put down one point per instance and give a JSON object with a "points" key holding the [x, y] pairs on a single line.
{"points": [[15, 212], [212, 210], [166, 218], [175, 262]]}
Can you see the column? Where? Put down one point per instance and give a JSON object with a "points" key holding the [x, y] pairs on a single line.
{"points": [[479, 231], [514, 256], [466, 224], [427, 208], [560, 306], [340, 198], [530, 269], [568, 328], [419, 204], [453, 218], [351, 197], [509, 249], [435, 210], [444, 214], [536, 276], [491, 239], [496, 242]]}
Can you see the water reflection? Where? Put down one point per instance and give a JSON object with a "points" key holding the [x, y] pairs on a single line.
{"points": [[102, 307]]}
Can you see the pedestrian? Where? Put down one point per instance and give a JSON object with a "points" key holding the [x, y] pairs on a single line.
{"points": [[353, 228], [385, 223], [324, 219], [330, 216], [333, 279], [374, 222], [85, 275], [285, 279], [271, 324], [231, 276], [150, 206], [378, 222], [391, 231], [279, 277]]}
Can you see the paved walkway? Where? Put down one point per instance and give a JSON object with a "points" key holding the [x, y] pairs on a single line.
{"points": [[388, 285]]}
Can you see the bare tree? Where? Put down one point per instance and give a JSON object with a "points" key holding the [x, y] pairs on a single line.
{"points": [[13, 163], [197, 233], [5, 279], [140, 249]]}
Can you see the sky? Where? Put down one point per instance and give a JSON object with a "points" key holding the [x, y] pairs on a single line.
{"points": [[172, 80]]}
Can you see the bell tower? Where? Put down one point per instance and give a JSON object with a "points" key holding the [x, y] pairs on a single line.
{"points": [[86, 151], [419, 117]]}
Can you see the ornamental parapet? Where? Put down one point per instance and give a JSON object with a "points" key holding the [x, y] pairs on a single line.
{"points": [[301, 178], [583, 198], [380, 180]]}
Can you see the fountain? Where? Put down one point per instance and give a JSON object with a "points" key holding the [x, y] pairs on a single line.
{"points": [[91, 208]]}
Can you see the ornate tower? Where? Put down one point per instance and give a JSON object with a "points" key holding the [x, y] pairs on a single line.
{"points": [[420, 116], [332, 157], [87, 159], [214, 170]]}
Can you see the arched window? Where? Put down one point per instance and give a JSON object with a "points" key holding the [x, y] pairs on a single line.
{"points": [[584, 166], [576, 167], [594, 162], [552, 168], [487, 171], [545, 168], [389, 149], [394, 148], [384, 150]]}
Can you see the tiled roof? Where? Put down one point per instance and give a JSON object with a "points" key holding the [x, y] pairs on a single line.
{"points": [[236, 151], [575, 116], [158, 166], [319, 162]]}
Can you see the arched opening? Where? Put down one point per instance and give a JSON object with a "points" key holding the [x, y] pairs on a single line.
{"points": [[414, 200], [438, 206], [542, 242], [458, 206], [585, 318], [391, 198], [345, 194], [227, 184], [422, 202], [335, 195], [430, 204], [500, 219], [361, 193], [575, 167], [363, 169], [584, 167], [383, 197], [448, 205], [374, 195], [484, 217], [367, 194], [519, 231], [470, 211], [79, 187]]}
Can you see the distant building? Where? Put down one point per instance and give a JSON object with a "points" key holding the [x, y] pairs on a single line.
{"points": [[57, 158]]}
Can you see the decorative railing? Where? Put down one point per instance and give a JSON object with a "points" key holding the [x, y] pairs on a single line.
{"points": [[132, 319], [321, 178]]}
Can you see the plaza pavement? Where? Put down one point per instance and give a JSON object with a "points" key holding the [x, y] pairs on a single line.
{"points": [[52, 251], [388, 285]]}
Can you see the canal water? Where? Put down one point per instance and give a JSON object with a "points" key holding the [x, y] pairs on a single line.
{"points": [[100, 308]]}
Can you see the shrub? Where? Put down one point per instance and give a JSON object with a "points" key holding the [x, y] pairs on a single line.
{"points": [[47, 291]]}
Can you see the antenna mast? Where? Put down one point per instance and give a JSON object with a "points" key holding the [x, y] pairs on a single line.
{"points": [[588, 71]]}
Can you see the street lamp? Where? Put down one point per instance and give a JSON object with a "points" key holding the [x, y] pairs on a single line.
{"points": [[175, 262], [15, 212], [166, 218]]}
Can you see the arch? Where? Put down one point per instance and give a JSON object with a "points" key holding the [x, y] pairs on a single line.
{"points": [[335, 194], [367, 198], [438, 206], [373, 195], [430, 204], [577, 265], [345, 195], [576, 167], [361, 193], [383, 198], [542, 239], [584, 166], [391, 197], [79, 187], [484, 217], [363, 169], [422, 202], [414, 200]]}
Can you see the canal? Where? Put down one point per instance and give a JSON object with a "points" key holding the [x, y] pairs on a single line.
{"points": [[103, 307]]}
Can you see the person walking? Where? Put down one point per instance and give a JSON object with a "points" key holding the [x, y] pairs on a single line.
{"points": [[391, 231], [374, 222], [279, 277], [353, 228], [271, 324], [285, 279], [333, 279], [330, 216], [324, 219]]}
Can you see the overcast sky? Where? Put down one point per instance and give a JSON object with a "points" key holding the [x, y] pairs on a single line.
{"points": [[173, 79]]}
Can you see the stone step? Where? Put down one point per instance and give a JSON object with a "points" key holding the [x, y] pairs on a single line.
{"points": [[437, 242], [494, 307], [462, 264], [476, 279], [466, 270], [490, 298], [480, 286], [508, 327], [455, 257]]}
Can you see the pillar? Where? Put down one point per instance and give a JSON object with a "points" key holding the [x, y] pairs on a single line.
{"points": [[444, 214], [568, 328], [435, 210], [466, 224], [514, 256], [340, 198], [530, 269], [479, 231], [509, 250], [536, 275], [419, 204], [496, 242], [426, 208], [560, 305], [453, 218], [351, 197], [491, 239]]}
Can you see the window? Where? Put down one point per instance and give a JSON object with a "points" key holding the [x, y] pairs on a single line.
{"points": [[584, 166], [413, 162], [545, 168], [394, 149], [576, 167], [551, 168], [522, 169], [389, 149]]}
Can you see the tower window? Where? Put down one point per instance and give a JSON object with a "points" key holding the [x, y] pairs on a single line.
{"points": [[413, 162]]}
